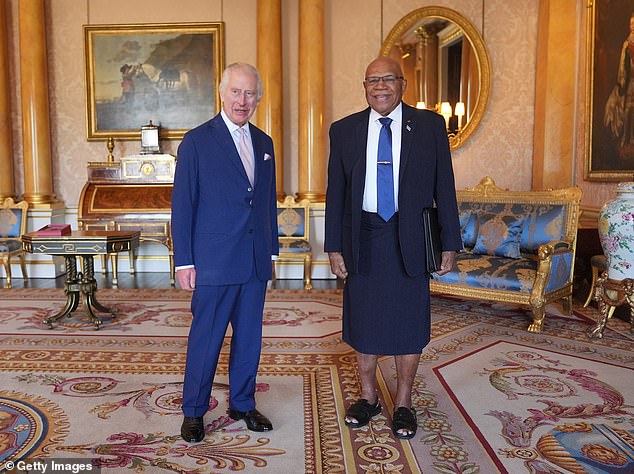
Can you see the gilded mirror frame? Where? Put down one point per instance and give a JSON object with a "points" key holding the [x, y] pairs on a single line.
{"points": [[477, 43]]}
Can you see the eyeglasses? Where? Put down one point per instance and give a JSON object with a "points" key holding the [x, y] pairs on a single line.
{"points": [[387, 80]]}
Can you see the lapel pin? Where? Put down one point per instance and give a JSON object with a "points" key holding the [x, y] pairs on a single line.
{"points": [[409, 129]]}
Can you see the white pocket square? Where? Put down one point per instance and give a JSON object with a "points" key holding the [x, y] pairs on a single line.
{"points": [[267, 157]]}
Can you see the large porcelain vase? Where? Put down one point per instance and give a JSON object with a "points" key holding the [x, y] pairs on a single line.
{"points": [[616, 231]]}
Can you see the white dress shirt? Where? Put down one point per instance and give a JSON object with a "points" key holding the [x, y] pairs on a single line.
{"points": [[234, 131], [374, 128]]}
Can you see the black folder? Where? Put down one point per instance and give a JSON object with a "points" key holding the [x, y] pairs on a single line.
{"points": [[433, 247]]}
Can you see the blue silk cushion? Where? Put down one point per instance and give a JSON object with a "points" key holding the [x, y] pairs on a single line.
{"points": [[544, 223], [492, 273], [499, 234], [295, 246], [468, 228]]}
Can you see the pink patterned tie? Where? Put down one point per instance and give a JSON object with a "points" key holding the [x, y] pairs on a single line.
{"points": [[246, 156]]}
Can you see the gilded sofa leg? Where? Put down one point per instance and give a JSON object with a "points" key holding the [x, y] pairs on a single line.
{"points": [[7, 269], [308, 260], [539, 313]]}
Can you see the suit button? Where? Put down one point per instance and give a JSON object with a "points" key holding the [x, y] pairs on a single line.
{"points": [[251, 231], [249, 189], [250, 203]]}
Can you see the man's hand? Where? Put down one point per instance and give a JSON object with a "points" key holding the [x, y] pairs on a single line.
{"points": [[186, 278], [337, 265], [448, 262]]}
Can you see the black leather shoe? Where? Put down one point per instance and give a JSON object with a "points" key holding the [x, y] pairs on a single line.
{"points": [[255, 420], [192, 429]]}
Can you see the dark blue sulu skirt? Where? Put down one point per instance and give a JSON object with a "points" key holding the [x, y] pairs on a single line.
{"points": [[385, 311]]}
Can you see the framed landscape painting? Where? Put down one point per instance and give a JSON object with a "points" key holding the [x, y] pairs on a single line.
{"points": [[609, 151], [166, 73]]}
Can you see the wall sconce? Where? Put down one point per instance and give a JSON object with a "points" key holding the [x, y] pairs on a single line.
{"points": [[459, 111], [445, 111], [420, 105]]}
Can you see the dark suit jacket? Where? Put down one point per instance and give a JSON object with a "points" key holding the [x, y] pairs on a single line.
{"points": [[220, 223], [425, 177]]}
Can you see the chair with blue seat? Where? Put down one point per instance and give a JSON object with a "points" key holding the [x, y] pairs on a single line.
{"points": [[13, 217], [293, 230]]}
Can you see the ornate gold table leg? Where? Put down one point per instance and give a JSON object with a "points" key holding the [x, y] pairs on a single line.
{"points": [[132, 257], [115, 270], [609, 294], [71, 288], [88, 288]]}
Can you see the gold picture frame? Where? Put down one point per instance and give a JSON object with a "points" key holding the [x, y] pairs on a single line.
{"points": [[609, 146], [457, 29], [165, 72]]}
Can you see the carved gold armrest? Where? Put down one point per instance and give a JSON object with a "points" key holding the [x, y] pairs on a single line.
{"points": [[559, 245]]}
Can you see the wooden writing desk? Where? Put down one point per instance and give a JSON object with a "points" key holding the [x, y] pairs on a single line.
{"points": [[133, 194], [85, 244]]}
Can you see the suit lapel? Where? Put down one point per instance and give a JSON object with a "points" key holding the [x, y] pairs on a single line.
{"points": [[407, 136], [258, 152], [360, 151], [225, 140]]}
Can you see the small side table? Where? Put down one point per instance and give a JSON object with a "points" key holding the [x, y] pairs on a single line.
{"points": [[85, 244], [609, 294]]}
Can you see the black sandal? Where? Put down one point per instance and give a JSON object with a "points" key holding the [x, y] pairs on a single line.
{"points": [[363, 412], [404, 419]]}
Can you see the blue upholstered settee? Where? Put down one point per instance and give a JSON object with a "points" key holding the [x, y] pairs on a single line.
{"points": [[519, 247]]}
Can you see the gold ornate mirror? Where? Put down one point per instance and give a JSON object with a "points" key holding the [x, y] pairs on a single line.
{"points": [[446, 66]]}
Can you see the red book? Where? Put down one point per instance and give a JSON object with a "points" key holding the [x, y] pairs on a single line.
{"points": [[55, 230]]}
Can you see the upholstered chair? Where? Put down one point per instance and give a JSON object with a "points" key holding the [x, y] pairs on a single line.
{"points": [[293, 231], [13, 218]]}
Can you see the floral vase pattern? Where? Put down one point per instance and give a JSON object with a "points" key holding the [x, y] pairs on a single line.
{"points": [[616, 232]]}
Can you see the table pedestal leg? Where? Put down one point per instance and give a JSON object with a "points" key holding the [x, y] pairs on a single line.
{"points": [[71, 288], [88, 288], [78, 284]]}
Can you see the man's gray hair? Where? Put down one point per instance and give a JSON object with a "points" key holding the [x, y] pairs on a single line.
{"points": [[226, 74]]}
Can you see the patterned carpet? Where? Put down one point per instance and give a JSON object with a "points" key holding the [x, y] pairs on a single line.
{"points": [[490, 397]]}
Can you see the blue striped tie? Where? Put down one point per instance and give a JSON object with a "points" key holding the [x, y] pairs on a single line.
{"points": [[384, 172]]}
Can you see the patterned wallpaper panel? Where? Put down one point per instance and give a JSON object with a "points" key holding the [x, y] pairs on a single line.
{"points": [[501, 147]]}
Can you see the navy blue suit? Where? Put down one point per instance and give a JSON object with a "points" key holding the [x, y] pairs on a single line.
{"points": [[425, 177], [227, 229]]}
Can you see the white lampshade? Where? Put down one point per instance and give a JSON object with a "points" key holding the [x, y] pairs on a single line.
{"points": [[459, 109], [445, 111], [420, 105]]}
